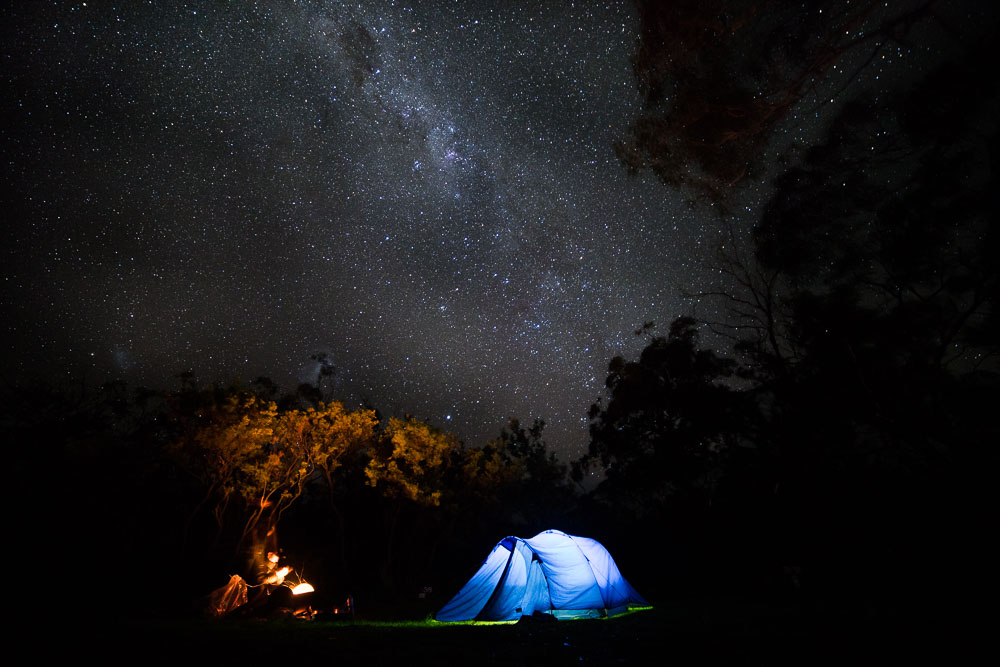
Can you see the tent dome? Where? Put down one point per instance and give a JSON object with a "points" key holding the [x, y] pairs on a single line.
{"points": [[555, 573]]}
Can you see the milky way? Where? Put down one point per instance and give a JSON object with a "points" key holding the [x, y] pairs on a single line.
{"points": [[428, 194]]}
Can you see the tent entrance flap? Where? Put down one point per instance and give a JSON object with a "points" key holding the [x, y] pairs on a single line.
{"points": [[495, 600]]}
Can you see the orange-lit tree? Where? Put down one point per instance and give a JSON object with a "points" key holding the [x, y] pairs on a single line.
{"points": [[220, 439], [253, 461], [413, 465], [329, 432], [410, 465], [325, 437]]}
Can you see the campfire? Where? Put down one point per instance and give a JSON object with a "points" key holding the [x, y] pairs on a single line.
{"points": [[238, 596], [265, 598]]}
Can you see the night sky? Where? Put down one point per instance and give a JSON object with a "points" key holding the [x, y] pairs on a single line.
{"points": [[426, 192]]}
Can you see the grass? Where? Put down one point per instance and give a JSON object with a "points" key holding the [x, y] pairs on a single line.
{"points": [[369, 642], [682, 633]]}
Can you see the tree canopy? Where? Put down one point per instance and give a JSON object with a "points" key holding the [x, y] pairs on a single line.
{"points": [[718, 77]]}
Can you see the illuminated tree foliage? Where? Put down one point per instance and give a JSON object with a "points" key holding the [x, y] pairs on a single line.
{"points": [[306, 444], [410, 465], [220, 439], [324, 435], [254, 461], [414, 464]]}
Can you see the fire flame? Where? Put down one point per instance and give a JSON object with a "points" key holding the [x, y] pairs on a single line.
{"points": [[302, 588]]}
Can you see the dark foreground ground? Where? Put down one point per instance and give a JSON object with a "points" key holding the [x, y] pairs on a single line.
{"points": [[683, 633]]}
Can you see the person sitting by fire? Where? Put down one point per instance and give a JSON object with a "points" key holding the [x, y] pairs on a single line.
{"points": [[264, 560], [269, 575]]}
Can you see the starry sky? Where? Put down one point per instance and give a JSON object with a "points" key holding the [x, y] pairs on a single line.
{"points": [[425, 192]]}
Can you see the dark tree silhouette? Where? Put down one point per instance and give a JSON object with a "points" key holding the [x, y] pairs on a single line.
{"points": [[719, 76], [541, 496], [886, 241], [857, 451], [669, 421], [871, 304]]}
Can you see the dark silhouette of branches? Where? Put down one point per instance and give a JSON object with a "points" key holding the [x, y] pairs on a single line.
{"points": [[719, 76]]}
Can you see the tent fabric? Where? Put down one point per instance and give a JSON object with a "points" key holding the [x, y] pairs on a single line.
{"points": [[552, 572]]}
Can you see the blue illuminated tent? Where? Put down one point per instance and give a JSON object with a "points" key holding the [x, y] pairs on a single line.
{"points": [[554, 573]]}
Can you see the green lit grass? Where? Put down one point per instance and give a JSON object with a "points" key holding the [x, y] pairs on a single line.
{"points": [[372, 641], [689, 633], [429, 621]]}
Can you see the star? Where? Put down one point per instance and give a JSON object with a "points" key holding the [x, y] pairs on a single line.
{"points": [[427, 194]]}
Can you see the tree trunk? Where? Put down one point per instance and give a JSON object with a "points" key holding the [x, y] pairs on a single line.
{"points": [[387, 564]]}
